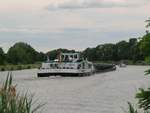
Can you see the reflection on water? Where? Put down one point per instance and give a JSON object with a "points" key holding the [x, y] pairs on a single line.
{"points": [[101, 93]]}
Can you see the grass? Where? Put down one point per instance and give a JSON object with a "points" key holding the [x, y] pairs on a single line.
{"points": [[13, 102], [10, 67]]}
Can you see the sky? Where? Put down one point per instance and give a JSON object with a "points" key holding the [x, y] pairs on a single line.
{"points": [[71, 24]]}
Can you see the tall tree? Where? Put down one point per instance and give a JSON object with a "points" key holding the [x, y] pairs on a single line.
{"points": [[134, 50], [105, 52], [122, 50], [22, 53], [143, 95], [90, 54], [145, 45], [2, 56]]}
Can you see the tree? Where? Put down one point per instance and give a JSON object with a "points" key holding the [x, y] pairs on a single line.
{"points": [[41, 56], [22, 53], [122, 50], [134, 50], [145, 45], [106, 52], [90, 54], [143, 95], [2, 56]]}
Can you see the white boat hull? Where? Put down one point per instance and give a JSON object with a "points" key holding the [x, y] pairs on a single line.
{"points": [[64, 72]]}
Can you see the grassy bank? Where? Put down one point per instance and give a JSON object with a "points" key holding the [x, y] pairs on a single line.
{"points": [[10, 67]]}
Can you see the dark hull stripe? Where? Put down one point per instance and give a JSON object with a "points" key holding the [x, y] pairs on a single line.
{"points": [[63, 74]]}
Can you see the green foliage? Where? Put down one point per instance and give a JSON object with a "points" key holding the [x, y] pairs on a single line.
{"points": [[115, 52], [22, 53], [143, 96], [148, 22], [11, 102], [144, 99], [41, 56], [90, 54], [147, 60], [2, 56], [131, 108], [105, 52], [133, 50], [145, 45], [147, 72], [19, 67], [123, 50]]}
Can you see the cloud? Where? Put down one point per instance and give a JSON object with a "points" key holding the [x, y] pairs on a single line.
{"points": [[23, 30], [83, 4]]}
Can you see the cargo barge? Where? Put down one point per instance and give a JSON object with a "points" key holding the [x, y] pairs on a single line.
{"points": [[67, 64]]}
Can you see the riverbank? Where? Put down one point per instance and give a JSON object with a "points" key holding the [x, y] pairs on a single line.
{"points": [[102, 65], [11, 67]]}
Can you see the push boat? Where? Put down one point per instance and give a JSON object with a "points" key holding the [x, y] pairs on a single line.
{"points": [[67, 64]]}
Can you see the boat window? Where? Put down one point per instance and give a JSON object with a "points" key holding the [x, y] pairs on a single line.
{"points": [[66, 58], [56, 65], [79, 66], [75, 56]]}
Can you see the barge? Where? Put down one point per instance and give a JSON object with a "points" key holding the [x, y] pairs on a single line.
{"points": [[67, 64]]}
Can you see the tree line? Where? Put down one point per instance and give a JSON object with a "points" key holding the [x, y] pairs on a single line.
{"points": [[136, 49], [122, 50]]}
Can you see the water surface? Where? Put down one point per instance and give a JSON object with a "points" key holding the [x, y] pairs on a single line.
{"points": [[100, 93]]}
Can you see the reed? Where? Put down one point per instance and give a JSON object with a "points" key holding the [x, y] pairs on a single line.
{"points": [[13, 102]]}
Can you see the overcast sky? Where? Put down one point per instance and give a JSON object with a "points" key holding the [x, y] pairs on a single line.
{"points": [[72, 24]]}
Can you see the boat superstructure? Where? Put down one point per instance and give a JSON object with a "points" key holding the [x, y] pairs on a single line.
{"points": [[67, 64]]}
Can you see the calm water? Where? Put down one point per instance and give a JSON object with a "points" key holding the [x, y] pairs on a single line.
{"points": [[101, 93]]}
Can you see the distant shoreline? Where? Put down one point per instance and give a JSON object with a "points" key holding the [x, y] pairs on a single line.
{"points": [[13, 67]]}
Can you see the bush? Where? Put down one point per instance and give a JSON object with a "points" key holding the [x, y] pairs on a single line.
{"points": [[28, 67], [147, 60], [11, 102], [11, 68], [2, 69], [19, 67]]}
